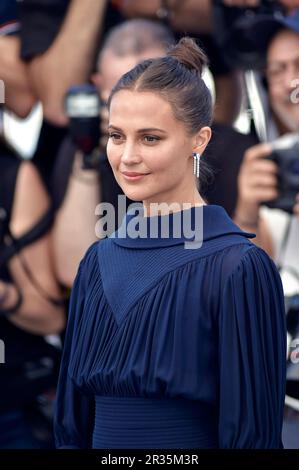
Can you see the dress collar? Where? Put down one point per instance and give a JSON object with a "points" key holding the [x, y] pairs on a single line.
{"points": [[199, 224]]}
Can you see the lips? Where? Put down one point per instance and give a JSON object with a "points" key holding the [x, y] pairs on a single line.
{"points": [[132, 174]]}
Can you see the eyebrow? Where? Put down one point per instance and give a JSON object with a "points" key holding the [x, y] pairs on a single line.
{"points": [[279, 62], [146, 129]]}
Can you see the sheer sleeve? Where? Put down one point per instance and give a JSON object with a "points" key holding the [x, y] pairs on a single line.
{"points": [[252, 355], [74, 412]]}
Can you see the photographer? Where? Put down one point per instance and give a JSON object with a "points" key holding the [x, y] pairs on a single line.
{"points": [[258, 177], [27, 309], [30, 305], [260, 184]]}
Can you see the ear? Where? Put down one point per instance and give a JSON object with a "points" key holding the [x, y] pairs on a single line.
{"points": [[201, 139]]}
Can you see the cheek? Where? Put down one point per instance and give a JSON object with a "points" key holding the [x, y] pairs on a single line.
{"points": [[112, 154], [167, 159], [276, 93], [159, 164], [168, 170]]}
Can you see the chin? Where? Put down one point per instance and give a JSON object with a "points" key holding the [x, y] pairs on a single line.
{"points": [[134, 194], [133, 197]]}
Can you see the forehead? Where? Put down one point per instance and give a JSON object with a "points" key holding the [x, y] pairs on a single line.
{"points": [[141, 110], [283, 47]]}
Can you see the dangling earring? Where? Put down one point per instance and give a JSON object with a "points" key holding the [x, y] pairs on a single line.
{"points": [[196, 161]]}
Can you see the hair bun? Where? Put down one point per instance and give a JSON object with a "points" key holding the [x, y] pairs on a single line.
{"points": [[189, 54]]}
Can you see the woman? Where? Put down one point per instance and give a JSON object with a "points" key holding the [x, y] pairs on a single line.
{"points": [[169, 347]]}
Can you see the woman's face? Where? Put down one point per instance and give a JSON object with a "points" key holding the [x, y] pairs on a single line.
{"points": [[149, 150]]}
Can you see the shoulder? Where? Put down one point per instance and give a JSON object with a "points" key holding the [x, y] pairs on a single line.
{"points": [[240, 258], [249, 265], [88, 272], [90, 257], [257, 257]]}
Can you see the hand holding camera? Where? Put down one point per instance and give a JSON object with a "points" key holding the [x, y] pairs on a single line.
{"points": [[83, 108], [285, 155], [257, 182], [269, 175]]}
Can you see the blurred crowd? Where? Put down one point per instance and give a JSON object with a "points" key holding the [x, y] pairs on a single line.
{"points": [[68, 55]]}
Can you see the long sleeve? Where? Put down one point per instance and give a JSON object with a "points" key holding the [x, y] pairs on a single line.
{"points": [[252, 355], [74, 413]]}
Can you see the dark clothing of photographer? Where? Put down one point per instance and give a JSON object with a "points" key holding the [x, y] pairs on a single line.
{"points": [[31, 363]]}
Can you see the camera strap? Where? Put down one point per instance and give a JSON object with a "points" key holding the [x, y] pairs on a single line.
{"points": [[256, 105], [15, 245]]}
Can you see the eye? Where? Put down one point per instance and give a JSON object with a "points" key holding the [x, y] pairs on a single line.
{"points": [[275, 72], [115, 136], [151, 139]]}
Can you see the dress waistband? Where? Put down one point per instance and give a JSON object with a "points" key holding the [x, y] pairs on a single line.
{"points": [[140, 422]]}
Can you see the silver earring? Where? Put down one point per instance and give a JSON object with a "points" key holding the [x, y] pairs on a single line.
{"points": [[196, 162]]}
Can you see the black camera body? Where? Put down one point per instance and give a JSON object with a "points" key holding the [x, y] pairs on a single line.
{"points": [[82, 105], [287, 161], [232, 28]]}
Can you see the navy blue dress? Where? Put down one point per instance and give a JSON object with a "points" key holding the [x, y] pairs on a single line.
{"points": [[168, 347]]}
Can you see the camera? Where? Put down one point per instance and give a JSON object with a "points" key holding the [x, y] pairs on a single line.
{"points": [[82, 106], [287, 160], [233, 35]]}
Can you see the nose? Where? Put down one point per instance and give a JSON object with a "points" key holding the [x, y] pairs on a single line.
{"points": [[130, 155], [289, 76]]}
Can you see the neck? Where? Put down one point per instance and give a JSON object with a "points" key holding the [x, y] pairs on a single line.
{"points": [[154, 208]]}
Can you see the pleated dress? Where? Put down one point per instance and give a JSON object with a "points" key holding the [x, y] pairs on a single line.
{"points": [[173, 348]]}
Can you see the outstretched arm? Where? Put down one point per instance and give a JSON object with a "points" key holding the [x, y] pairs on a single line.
{"points": [[69, 59], [191, 15], [18, 93]]}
